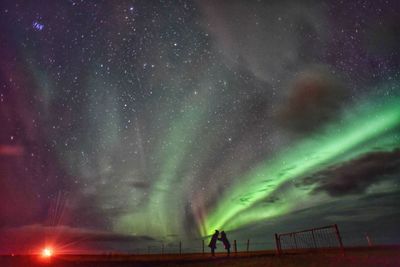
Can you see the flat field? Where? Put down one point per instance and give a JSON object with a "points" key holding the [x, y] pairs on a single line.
{"points": [[388, 256]]}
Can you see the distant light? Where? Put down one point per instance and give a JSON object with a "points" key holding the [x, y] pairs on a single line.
{"points": [[47, 252], [37, 25]]}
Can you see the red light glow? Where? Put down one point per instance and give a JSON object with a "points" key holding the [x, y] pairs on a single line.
{"points": [[47, 252]]}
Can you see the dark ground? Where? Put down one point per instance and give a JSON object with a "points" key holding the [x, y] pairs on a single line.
{"points": [[388, 256]]}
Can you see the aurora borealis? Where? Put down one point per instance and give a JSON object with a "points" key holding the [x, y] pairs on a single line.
{"points": [[334, 144], [127, 123]]}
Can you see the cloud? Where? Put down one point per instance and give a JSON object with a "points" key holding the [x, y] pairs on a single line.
{"points": [[275, 42], [375, 214], [355, 176], [316, 98], [268, 39]]}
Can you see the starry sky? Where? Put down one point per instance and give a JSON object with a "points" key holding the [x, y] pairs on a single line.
{"points": [[128, 123]]}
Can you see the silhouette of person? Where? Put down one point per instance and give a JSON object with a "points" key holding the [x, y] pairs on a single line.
{"points": [[213, 242], [225, 241]]}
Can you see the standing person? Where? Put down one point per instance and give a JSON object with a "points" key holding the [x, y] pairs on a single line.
{"points": [[213, 242], [225, 240]]}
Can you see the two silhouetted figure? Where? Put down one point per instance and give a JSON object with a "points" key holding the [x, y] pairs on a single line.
{"points": [[223, 238]]}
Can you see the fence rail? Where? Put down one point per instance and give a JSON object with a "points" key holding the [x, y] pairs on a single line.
{"points": [[179, 247], [325, 239]]}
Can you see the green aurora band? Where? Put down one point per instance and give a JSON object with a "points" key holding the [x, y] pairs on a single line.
{"points": [[370, 126], [157, 218]]}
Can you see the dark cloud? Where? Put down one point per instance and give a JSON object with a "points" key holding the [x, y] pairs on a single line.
{"points": [[375, 214], [316, 97], [271, 200], [355, 176], [84, 212]]}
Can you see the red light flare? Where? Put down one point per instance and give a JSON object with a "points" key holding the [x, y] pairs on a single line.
{"points": [[47, 252]]}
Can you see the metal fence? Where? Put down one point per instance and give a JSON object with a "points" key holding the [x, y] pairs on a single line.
{"points": [[327, 237], [201, 246]]}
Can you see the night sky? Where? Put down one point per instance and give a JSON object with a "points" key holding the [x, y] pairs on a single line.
{"points": [[129, 123]]}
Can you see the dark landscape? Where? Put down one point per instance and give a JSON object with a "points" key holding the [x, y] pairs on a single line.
{"points": [[385, 256]]}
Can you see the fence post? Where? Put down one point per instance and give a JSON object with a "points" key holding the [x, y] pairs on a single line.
{"points": [[162, 248], [202, 243], [313, 238], [368, 240], [339, 237], [235, 246], [180, 247], [278, 244], [248, 244]]}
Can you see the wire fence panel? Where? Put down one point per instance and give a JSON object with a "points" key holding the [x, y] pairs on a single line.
{"points": [[327, 237]]}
